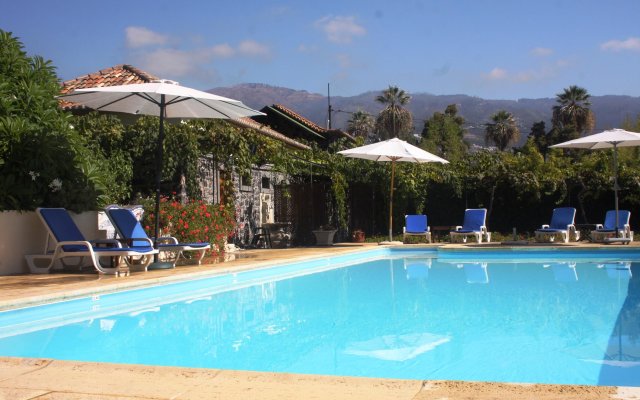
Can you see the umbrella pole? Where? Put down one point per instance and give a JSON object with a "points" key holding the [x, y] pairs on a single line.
{"points": [[615, 181], [159, 156], [393, 170]]}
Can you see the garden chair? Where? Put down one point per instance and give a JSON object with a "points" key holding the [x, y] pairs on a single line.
{"points": [[608, 229], [70, 242], [129, 228], [562, 224], [416, 225], [474, 224]]}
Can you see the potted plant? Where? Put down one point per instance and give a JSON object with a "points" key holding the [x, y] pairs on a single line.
{"points": [[324, 235], [357, 236]]}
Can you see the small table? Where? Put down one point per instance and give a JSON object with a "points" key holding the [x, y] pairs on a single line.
{"points": [[441, 230], [279, 233], [585, 231]]}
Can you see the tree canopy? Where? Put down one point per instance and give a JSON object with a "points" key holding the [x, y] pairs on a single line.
{"points": [[394, 120]]}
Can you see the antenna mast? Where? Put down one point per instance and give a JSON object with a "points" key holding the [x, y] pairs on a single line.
{"points": [[330, 109]]}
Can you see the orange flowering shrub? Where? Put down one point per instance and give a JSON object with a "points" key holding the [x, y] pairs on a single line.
{"points": [[195, 221]]}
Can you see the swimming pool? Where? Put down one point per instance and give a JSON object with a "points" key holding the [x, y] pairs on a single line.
{"points": [[569, 317]]}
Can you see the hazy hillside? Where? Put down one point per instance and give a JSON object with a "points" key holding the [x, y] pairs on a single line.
{"points": [[609, 111]]}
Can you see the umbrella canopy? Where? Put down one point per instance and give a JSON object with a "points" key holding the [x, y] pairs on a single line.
{"points": [[163, 98], [392, 150], [604, 140], [612, 138], [148, 98]]}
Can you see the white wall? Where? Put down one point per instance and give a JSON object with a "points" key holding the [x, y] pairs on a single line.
{"points": [[23, 233]]}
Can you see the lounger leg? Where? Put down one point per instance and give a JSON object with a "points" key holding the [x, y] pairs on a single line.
{"points": [[202, 253], [105, 270], [32, 263]]}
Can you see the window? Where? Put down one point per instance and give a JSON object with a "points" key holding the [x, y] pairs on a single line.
{"points": [[245, 183], [266, 182]]}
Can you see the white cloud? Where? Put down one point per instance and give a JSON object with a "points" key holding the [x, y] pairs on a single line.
{"points": [[169, 63], [541, 52], [340, 29], [631, 44], [539, 74], [252, 48], [497, 74], [137, 36], [152, 52], [222, 51]]}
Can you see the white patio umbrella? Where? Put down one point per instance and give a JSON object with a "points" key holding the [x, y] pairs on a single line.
{"points": [[163, 98], [393, 150], [612, 138]]}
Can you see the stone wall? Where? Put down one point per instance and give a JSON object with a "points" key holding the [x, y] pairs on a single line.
{"points": [[254, 202], [254, 196]]}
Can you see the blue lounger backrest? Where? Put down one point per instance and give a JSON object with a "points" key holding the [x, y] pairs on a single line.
{"points": [[128, 226], [416, 223], [610, 219], [474, 219], [562, 217], [62, 227]]}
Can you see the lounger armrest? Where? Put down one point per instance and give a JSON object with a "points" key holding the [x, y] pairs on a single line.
{"points": [[428, 229], [599, 226], [107, 242], [130, 241], [84, 243], [167, 240], [545, 226], [483, 229], [404, 230], [458, 227]]}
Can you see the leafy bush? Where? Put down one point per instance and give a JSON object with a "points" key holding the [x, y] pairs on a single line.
{"points": [[195, 221], [43, 162]]}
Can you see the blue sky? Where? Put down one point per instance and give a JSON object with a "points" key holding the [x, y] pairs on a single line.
{"points": [[496, 49]]}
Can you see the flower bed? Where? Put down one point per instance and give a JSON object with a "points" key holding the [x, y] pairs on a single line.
{"points": [[194, 221]]}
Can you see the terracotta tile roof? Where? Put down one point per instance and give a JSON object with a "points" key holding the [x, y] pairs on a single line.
{"points": [[312, 125], [299, 118], [122, 74], [267, 131]]}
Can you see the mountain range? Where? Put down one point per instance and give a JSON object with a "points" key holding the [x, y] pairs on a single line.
{"points": [[610, 111]]}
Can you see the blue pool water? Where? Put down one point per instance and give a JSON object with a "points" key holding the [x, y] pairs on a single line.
{"points": [[536, 316]]}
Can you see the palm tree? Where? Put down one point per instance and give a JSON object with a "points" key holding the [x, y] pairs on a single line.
{"points": [[394, 120], [572, 116], [503, 130], [361, 124]]}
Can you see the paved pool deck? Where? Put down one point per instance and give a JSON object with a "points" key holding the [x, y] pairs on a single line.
{"points": [[25, 378]]}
